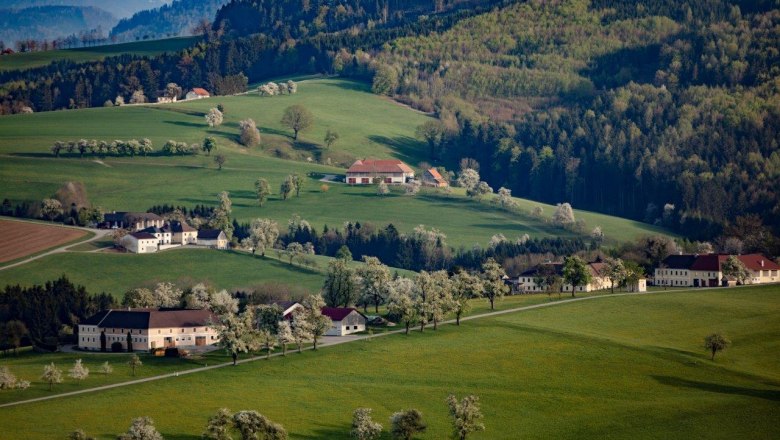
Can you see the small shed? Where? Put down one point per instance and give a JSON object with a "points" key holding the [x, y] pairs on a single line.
{"points": [[346, 320], [197, 93], [213, 238]]}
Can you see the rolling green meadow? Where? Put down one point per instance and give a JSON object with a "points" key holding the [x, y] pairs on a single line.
{"points": [[116, 273], [611, 367], [21, 61], [370, 126]]}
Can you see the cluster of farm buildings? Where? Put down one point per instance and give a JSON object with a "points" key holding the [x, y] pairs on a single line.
{"points": [[151, 233], [149, 329]]}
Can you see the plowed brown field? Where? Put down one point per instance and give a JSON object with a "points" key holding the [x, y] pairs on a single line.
{"points": [[19, 239]]}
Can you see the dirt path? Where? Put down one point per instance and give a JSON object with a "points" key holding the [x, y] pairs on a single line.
{"points": [[333, 341]]}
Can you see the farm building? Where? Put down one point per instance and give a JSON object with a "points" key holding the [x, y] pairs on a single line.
{"points": [[140, 243], [197, 93], [432, 177], [163, 235], [213, 238], [131, 220], [391, 171], [599, 279], [706, 270], [288, 308], [346, 320], [183, 233], [147, 328]]}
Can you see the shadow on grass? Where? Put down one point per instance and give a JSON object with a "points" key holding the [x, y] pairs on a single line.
{"points": [[186, 124], [677, 382], [348, 85], [325, 432], [406, 148]]}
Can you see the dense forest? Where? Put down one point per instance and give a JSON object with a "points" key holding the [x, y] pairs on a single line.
{"points": [[174, 19], [664, 111]]}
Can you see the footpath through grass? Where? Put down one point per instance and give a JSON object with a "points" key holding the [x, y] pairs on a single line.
{"points": [[621, 367]]}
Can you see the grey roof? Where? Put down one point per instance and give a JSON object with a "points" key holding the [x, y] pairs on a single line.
{"points": [[150, 318], [209, 234], [143, 235], [678, 261]]}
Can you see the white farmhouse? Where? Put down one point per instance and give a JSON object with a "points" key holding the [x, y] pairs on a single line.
{"points": [[140, 243], [346, 320], [392, 171], [147, 329], [197, 93]]}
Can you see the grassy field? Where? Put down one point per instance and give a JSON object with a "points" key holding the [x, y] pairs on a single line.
{"points": [[623, 367], [20, 61], [116, 273], [369, 126]]}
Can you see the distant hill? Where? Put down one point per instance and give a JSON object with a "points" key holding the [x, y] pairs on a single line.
{"points": [[119, 9], [49, 22], [174, 19]]}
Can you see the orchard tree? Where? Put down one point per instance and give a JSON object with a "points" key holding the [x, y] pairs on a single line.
{"points": [[301, 329], [401, 302], [13, 331], [263, 233], [235, 333], [575, 273], [267, 341], [250, 135], [615, 271], [263, 190], [465, 287], [330, 138], [299, 183], [297, 118], [287, 187], [505, 199], [134, 363], [405, 424], [284, 335], [319, 323], [363, 425], [208, 145], [563, 215], [79, 371], [374, 280], [382, 189], [734, 268], [219, 425], [172, 90], [466, 416], [468, 178], [479, 190], [340, 286], [142, 428], [51, 208], [220, 160], [51, 375], [106, 368], [214, 117], [493, 278], [715, 343]]}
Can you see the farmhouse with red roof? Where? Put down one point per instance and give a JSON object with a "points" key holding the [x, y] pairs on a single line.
{"points": [[197, 93], [390, 171], [346, 320], [706, 270], [432, 177]]}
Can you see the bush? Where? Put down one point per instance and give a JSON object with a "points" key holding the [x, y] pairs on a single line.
{"points": [[172, 352], [117, 347]]}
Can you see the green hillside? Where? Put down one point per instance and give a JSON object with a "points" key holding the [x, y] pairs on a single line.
{"points": [[369, 126], [583, 370], [221, 269], [20, 61]]}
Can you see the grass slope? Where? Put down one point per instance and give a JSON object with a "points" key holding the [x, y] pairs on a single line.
{"points": [[543, 373], [21, 61], [369, 126]]}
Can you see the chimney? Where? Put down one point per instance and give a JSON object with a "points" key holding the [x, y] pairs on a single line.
{"points": [[762, 263]]}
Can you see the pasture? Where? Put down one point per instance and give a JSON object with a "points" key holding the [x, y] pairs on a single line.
{"points": [[613, 367], [21, 61], [369, 125], [21, 239]]}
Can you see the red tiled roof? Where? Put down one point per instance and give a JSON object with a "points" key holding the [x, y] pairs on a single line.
{"points": [[379, 166], [708, 262], [754, 262], [337, 313], [199, 91], [436, 176]]}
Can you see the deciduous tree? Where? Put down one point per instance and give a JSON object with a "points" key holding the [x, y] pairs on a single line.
{"points": [[51, 375], [220, 160], [263, 190], [405, 424], [734, 268], [401, 302], [575, 273], [493, 277], [214, 117], [363, 425], [374, 281], [715, 343], [340, 286], [142, 428], [297, 118], [319, 323], [250, 135], [466, 416], [218, 427], [330, 138], [208, 145], [134, 363], [79, 371]]}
